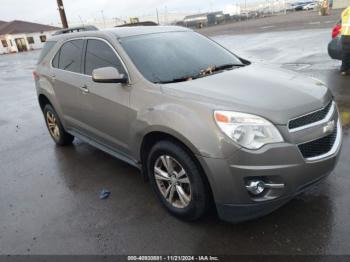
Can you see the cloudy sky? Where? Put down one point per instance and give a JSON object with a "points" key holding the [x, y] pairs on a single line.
{"points": [[45, 11]]}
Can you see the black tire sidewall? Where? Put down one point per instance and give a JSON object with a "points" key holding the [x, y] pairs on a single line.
{"points": [[199, 200]]}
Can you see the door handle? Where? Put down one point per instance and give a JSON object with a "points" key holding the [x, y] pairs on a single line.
{"points": [[84, 89]]}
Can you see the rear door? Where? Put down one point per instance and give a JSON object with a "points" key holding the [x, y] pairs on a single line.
{"points": [[105, 106], [68, 78]]}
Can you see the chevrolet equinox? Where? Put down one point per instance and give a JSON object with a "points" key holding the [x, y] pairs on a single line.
{"points": [[202, 124]]}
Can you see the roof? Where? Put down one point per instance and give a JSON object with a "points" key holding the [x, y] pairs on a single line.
{"points": [[18, 27], [204, 15], [122, 32], [216, 13], [126, 31]]}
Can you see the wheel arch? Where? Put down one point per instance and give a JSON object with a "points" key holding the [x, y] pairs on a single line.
{"points": [[153, 136], [43, 100]]}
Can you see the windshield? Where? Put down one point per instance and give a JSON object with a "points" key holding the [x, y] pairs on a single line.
{"points": [[168, 57]]}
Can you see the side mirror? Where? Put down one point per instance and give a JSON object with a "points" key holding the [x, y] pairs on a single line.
{"points": [[108, 75]]}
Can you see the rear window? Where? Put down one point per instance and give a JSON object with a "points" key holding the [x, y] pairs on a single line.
{"points": [[46, 49]]}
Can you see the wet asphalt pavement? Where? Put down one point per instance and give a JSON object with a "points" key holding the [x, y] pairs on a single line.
{"points": [[49, 196]]}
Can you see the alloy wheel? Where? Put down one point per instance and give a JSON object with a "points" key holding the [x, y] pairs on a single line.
{"points": [[172, 181], [53, 125]]}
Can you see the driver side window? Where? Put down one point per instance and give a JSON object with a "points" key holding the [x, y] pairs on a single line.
{"points": [[99, 54]]}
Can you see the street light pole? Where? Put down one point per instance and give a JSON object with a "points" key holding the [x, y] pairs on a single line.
{"points": [[62, 13], [157, 16], [103, 18]]}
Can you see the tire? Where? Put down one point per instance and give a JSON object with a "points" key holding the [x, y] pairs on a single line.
{"points": [[197, 200], [55, 128]]}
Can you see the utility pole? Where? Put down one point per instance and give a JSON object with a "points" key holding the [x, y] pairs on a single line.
{"points": [[157, 15], [103, 18], [211, 6], [166, 15], [81, 20], [62, 13]]}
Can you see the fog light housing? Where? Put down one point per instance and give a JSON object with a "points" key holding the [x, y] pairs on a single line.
{"points": [[256, 187]]}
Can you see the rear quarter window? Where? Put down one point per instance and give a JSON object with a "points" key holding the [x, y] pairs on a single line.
{"points": [[46, 49]]}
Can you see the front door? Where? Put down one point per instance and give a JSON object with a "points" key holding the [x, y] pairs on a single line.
{"points": [[105, 106], [21, 44]]}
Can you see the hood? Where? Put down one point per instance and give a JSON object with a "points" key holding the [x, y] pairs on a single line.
{"points": [[275, 94]]}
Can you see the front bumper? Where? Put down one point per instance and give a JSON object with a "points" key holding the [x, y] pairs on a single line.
{"points": [[278, 163]]}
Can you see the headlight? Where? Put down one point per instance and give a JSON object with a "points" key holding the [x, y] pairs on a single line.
{"points": [[247, 130]]}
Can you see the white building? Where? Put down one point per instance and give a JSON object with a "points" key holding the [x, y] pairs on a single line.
{"points": [[341, 4], [232, 10], [20, 36]]}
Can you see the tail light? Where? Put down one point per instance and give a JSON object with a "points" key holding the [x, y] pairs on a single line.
{"points": [[336, 31], [35, 75]]}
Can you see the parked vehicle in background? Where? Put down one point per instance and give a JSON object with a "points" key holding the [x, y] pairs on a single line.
{"points": [[335, 49], [200, 122], [310, 6], [299, 6]]}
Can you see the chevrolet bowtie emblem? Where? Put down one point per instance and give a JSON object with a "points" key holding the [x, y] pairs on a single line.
{"points": [[329, 127]]}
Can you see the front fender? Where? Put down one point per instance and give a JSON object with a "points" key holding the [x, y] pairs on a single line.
{"points": [[193, 125]]}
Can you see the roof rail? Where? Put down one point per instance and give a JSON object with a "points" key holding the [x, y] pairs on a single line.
{"points": [[76, 29], [146, 23]]}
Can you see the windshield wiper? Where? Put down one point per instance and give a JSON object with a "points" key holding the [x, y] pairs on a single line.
{"points": [[180, 79], [226, 66], [204, 72]]}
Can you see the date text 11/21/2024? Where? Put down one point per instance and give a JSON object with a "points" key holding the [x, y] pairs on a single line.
{"points": [[173, 258]]}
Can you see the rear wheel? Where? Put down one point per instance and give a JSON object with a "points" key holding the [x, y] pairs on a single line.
{"points": [[177, 181], [54, 125]]}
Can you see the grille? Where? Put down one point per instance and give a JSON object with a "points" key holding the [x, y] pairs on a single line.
{"points": [[318, 147], [310, 118]]}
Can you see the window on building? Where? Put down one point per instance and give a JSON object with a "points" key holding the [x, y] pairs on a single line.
{"points": [[43, 38], [4, 43], [30, 40], [99, 54], [70, 56]]}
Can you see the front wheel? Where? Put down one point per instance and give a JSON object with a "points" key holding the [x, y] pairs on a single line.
{"points": [[177, 181]]}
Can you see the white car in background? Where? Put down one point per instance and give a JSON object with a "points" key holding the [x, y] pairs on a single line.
{"points": [[310, 6]]}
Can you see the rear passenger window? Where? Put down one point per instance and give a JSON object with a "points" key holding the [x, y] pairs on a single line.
{"points": [[70, 56], [99, 54]]}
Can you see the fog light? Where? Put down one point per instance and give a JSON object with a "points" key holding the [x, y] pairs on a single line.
{"points": [[256, 187]]}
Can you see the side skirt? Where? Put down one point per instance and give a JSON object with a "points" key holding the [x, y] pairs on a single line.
{"points": [[106, 149]]}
